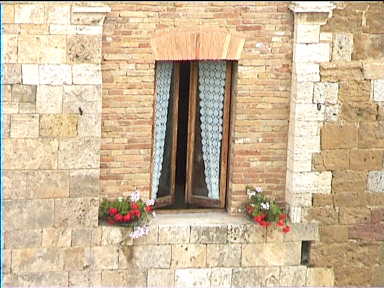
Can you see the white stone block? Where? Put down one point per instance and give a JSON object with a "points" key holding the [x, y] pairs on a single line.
{"points": [[87, 74], [299, 199], [30, 74], [49, 99], [29, 14], [58, 14], [308, 112], [89, 125], [306, 72], [325, 93], [307, 33], [326, 37], [55, 74], [378, 90], [304, 92], [342, 47], [315, 53], [311, 182], [376, 181], [300, 161], [332, 112], [62, 29], [89, 30], [305, 128], [306, 144], [295, 214], [192, 278]]}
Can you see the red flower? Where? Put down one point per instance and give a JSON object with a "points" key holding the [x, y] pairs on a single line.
{"points": [[136, 212], [134, 206], [118, 217], [149, 208], [286, 229], [283, 216], [127, 217], [280, 223], [265, 223], [112, 211]]}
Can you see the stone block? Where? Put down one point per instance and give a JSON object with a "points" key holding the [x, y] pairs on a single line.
{"points": [[342, 47], [48, 184], [336, 71], [89, 125], [366, 159], [151, 238], [24, 93], [22, 239], [58, 14], [56, 237], [271, 277], [307, 33], [113, 278], [86, 98], [85, 74], [87, 18], [334, 136], [320, 277], [30, 74], [10, 48], [304, 92], [333, 233], [84, 49], [58, 125], [293, 276], [306, 72], [302, 232], [312, 53], [221, 277], [15, 185], [325, 37], [82, 237], [209, 234], [7, 125], [6, 263], [38, 279], [325, 93], [349, 181], [8, 13], [60, 29], [349, 215], [311, 18], [161, 278], [30, 153], [368, 46], [378, 90], [28, 13], [27, 108], [85, 278], [12, 74], [271, 254], [312, 182], [332, 113], [336, 159], [76, 212], [359, 111], [104, 258], [223, 255], [303, 199], [309, 144], [24, 126], [355, 90], [49, 99], [247, 277], [373, 70], [53, 49], [34, 214], [308, 112], [113, 236], [255, 234], [145, 257], [76, 258], [376, 181], [89, 30], [37, 260], [274, 233], [371, 134], [78, 153], [173, 234], [322, 200], [189, 255], [192, 278], [236, 233], [84, 183], [30, 48], [10, 108], [52, 74], [323, 215]]}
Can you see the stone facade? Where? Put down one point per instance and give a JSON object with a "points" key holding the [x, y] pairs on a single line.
{"points": [[307, 126]]}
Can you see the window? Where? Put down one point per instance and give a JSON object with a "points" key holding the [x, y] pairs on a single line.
{"points": [[191, 137]]}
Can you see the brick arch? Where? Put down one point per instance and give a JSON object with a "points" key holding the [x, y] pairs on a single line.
{"points": [[200, 44]]}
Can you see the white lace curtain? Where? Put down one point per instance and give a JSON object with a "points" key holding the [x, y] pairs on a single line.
{"points": [[163, 88], [211, 93]]}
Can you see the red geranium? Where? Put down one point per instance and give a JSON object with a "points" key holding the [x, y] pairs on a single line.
{"points": [[149, 208], [118, 217], [286, 229], [112, 211], [134, 206], [283, 216], [127, 217], [280, 223]]}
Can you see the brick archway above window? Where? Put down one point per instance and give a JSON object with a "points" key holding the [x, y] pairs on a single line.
{"points": [[197, 45]]}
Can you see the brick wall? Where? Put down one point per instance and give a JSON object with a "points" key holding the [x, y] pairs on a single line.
{"points": [[260, 124]]}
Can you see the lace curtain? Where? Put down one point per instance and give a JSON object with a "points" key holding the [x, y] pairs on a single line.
{"points": [[163, 88], [211, 93]]}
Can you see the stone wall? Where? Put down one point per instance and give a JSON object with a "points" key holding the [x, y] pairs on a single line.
{"points": [[337, 101], [260, 110]]}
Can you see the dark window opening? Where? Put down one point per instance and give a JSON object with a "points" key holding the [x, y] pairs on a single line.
{"points": [[305, 252]]}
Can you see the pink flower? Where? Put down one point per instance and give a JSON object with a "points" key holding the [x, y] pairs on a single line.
{"points": [[112, 211]]}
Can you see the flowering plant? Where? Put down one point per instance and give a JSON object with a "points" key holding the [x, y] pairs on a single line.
{"points": [[265, 211], [131, 212]]}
